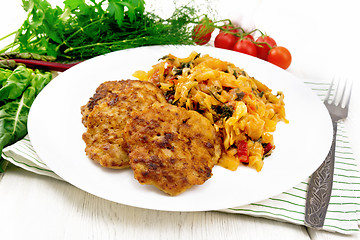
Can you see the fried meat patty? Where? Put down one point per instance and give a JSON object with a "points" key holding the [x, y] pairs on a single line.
{"points": [[106, 114], [171, 148]]}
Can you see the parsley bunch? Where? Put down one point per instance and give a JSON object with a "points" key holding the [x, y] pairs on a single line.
{"points": [[82, 30]]}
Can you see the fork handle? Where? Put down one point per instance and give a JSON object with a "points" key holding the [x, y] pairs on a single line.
{"points": [[319, 190]]}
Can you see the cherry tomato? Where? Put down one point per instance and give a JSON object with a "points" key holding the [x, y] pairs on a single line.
{"points": [[225, 40], [280, 56], [245, 46], [202, 32], [262, 48]]}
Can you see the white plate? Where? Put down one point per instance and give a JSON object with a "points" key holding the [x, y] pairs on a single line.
{"points": [[55, 131]]}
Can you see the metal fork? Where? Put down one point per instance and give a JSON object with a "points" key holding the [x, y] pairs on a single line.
{"points": [[319, 190]]}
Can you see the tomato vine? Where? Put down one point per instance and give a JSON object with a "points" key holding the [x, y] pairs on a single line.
{"points": [[235, 38]]}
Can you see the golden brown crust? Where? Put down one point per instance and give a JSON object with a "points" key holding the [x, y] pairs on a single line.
{"points": [[106, 114], [171, 148]]}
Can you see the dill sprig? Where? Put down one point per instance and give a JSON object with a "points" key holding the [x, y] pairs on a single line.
{"points": [[83, 30]]}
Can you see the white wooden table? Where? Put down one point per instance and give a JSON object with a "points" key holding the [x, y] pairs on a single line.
{"points": [[323, 40]]}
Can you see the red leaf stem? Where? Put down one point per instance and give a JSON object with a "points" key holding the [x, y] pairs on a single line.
{"points": [[50, 66]]}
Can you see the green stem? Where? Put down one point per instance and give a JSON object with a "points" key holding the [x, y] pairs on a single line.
{"points": [[251, 32], [81, 29], [11, 45], [224, 20], [10, 34], [259, 43], [262, 34], [102, 44]]}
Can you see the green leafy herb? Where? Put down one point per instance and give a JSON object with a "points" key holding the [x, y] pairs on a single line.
{"points": [[235, 73], [223, 111], [84, 29], [169, 95], [116, 9], [261, 94], [214, 95]]}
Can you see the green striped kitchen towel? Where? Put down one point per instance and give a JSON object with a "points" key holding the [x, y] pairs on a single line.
{"points": [[343, 214], [22, 154]]}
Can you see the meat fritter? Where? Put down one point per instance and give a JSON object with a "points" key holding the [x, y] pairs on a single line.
{"points": [[171, 148], [102, 94], [106, 114]]}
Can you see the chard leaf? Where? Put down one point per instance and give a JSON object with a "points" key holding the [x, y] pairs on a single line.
{"points": [[3, 164], [4, 75], [14, 114], [16, 83], [39, 81], [13, 119]]}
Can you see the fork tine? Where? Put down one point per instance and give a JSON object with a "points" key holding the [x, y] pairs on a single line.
{"points": [[348, 99], [342, 94], [329, 91], [336, 93]]}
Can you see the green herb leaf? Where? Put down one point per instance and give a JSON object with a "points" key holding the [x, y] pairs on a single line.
{"points": [[116, 10], [261, 94], [223, 111], [74, 4]]}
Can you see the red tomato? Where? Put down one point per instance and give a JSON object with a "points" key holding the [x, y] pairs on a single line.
{"points": [[262, 48], [245, 46], [201, 35], [225, 40], [280, 56], [202, 32]]}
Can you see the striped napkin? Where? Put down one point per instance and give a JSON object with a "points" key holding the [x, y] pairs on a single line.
{"points": [[343, 214]]}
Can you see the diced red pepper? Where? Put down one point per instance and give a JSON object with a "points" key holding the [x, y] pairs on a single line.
{"points": [[268, 148], [243, 152], [173, 80]]}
